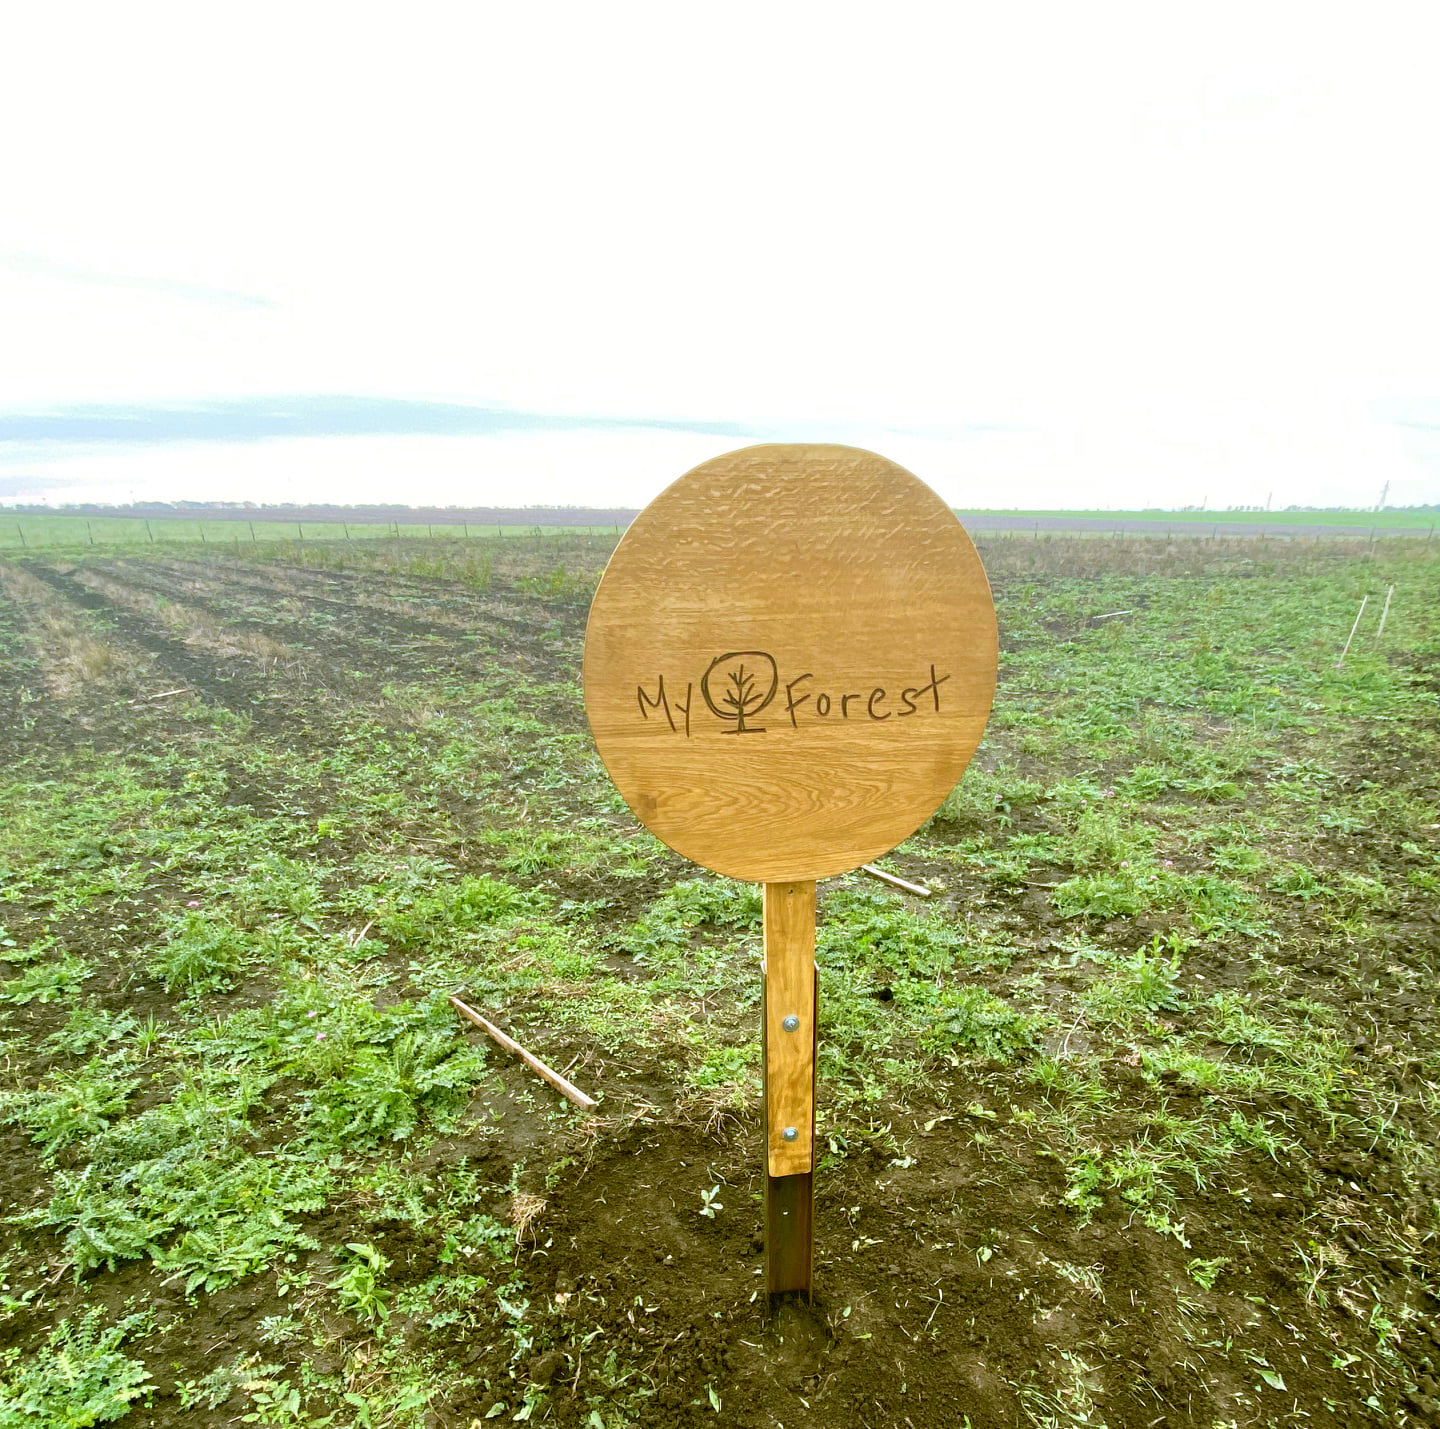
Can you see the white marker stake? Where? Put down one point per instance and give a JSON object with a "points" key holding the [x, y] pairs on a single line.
{"points": [[1353, 629], [1384, 613]]}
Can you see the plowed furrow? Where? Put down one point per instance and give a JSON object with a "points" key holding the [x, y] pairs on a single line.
{"points": [[356, 632], [446, 606], [76, 654], [236, 687], [386, 647]]}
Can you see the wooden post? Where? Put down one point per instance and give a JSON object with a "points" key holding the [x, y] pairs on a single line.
{"points": [[789, 1011]]}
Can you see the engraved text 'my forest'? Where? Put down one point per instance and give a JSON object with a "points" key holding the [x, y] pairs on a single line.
{"points": [[740, 685]]}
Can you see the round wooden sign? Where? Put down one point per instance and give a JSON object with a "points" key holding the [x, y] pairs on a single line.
{"points": [[790, 660]]}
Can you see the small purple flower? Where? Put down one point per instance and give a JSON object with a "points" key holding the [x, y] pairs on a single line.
{"points": [[193, 903], [319, 1036]]}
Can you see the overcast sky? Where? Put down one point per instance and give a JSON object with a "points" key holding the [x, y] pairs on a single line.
{"points": [[1044, 255]]}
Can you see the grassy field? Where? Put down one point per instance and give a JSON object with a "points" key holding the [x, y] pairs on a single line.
{"points": [[19, 534], [1133, 1123], [1385, 522]]}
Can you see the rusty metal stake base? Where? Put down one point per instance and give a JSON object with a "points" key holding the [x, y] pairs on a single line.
{"points": [[789, 1233], [789, 1206]]}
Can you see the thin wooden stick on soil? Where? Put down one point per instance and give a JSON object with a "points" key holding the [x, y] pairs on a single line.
{"points": [[163, 695], [891, 878], [547, 1074]]}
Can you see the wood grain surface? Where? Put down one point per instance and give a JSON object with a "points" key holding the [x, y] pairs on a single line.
{"points": [[790, 660], [790, 1056]]}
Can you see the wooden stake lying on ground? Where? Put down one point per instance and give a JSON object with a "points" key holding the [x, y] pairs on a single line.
{"points": [[568, 1089], [890, 878], [165, 694]]}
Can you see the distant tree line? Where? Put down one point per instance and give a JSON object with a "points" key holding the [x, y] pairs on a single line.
{"points": [[355, 515]]}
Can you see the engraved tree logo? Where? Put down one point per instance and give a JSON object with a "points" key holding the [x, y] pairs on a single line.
{"points": [[747, 681]]}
